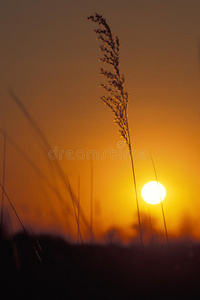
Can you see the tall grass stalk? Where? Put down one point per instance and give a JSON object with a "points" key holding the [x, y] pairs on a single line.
{"points": [[162, 208], [78, 236], [91, 203], [118, 98], [55, 162], [44, 178], [13, 208], [74, 207], [150, 222], [19, 219], [37, 170], [3, 182]]}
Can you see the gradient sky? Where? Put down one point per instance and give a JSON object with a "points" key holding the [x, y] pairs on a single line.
{"points": [[49, 57]]}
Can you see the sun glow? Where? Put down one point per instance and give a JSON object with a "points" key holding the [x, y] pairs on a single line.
{"points": [[153, 192]]}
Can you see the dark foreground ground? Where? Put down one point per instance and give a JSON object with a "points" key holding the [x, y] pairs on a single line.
{"points": [[83, 272]]}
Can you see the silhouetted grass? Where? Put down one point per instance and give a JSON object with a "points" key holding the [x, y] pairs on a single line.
{"points": [[162, 208], [52, 163], [3, 183], [118, 98]]}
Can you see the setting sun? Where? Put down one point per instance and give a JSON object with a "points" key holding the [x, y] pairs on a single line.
{"points": [[153, 192]]}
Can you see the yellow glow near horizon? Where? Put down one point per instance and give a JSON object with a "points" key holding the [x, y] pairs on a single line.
{"points": [[153, 192]]}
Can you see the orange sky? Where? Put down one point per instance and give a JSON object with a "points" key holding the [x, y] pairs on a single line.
{"points": [[49, 56]]}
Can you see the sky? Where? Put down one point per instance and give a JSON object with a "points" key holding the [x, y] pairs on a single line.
{"points": [[49, 57]]}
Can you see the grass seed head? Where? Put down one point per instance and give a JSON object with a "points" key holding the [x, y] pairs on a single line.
{"points": [[117, 99]]}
